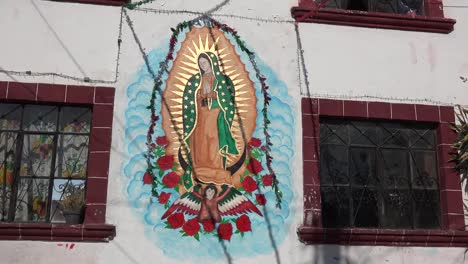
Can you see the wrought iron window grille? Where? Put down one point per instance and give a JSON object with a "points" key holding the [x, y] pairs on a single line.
{"points": [[384, 6], [378, 174], [43, 155]]}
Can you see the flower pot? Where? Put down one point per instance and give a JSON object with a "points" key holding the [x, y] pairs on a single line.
{"points": [[72, 217]]}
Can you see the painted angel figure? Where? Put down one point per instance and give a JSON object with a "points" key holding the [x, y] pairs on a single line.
{"points": [[211, 206]]}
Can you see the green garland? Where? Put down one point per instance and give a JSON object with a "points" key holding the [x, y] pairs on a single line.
{"points": [[137, 4]]}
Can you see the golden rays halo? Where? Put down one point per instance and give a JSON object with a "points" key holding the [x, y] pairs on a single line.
{"points": [[198, 41]]}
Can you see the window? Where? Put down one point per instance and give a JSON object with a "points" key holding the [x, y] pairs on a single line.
{"points": [[378, 175], [383, 6], [412, 15], [55, 144], [43, 161]]}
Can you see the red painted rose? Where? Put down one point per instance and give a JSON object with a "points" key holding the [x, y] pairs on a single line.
{"points": [[249, 184], [261, 200], [147, 178], [208, 225], [171, 179], [165, 162], [255, 142], [163, 197], [254, 166], [176, 220], [267, 180], [162, 141], [225, 231], [243, 223], [191, 227]]}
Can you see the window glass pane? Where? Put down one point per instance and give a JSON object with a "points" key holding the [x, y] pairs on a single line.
{"points": [[37, 155], [7, 165], [10, 116], [333, 132], [365, 208], [424, 170], [362, 167], [333, 164], [40, 118], [31, 200], [67, 199], [26, 198], [385, 6], [423, 138], [395, 168], [338, 4], [362, 133], [7, 157], [72, 156], [416, 6], [385, 175], [75, 119], [335, 206], [396, 209], [393, 135], [359, 5], [426, 209], [399, 6]]}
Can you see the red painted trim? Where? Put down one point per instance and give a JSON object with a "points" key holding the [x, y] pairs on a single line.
{"points": [[351, 236], [57, 232], [101, 99], [449, 184], [96, 2], [373, 20]]}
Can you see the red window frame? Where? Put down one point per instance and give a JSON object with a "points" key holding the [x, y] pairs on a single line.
{"points": [[97, 2], [452, 232], [101, 100], [433, 21]]}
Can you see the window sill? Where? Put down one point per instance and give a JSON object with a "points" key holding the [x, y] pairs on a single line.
{"points": [[373, 20], [57, 232], [383, 237], [96, 2]]}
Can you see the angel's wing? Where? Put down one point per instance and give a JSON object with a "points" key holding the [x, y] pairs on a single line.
{"points": [[189, 203], [235, 203]]}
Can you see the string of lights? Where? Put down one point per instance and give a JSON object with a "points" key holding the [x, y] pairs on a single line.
{"points": [[197, 13], [383, 98]]}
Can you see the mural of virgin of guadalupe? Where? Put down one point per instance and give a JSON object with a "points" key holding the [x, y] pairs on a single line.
{"points": [[208, 113]]}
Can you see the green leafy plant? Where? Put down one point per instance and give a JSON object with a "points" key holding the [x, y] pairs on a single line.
{"points": [[461, 143]]}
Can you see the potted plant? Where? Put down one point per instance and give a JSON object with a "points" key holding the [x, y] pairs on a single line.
{"points": [[72, 203], [461, 143]]}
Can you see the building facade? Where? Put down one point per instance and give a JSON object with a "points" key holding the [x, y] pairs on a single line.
{"points": [[231, 131]]}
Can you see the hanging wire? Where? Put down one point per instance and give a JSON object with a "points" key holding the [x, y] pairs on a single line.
{"points": [[53, 74]]}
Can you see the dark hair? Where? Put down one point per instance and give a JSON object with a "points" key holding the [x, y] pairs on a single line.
{"points": [[211, 186], [205, 56]]}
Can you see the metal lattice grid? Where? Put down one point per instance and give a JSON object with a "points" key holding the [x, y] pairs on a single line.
{"points": [[383, 6], [378, 174], [43, 152]]}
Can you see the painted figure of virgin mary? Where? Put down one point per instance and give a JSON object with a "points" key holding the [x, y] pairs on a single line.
{"points": [[209, 117], [208, 109]]}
